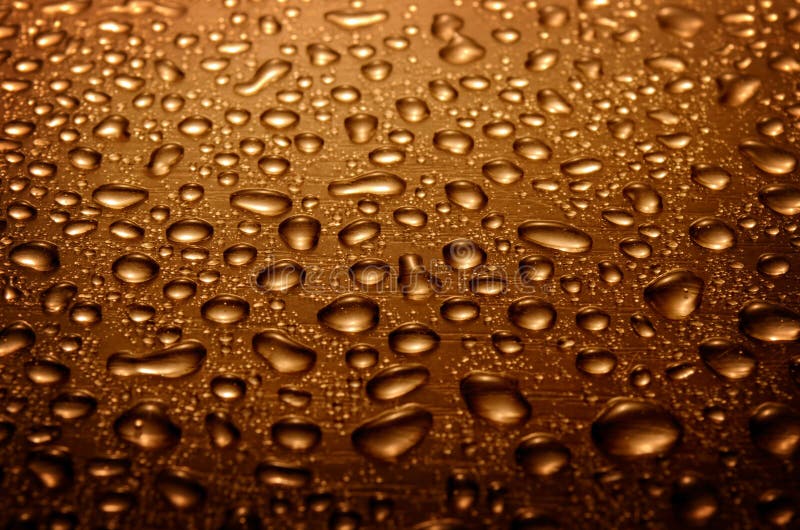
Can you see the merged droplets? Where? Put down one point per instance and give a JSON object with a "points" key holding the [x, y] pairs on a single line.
{"points": [[379, 183], [177, 360], [163, 159], [461, 50], [283, 353]]}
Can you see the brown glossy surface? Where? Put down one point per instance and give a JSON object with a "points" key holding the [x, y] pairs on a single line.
{"points": [[433, 265]]}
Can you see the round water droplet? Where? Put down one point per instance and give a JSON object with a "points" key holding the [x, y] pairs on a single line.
{"points": [[225, 309], [300, 232], [147, 426], [350, 313], [413, 339], [532, 313], [769, 322], [712, 233], [635, 428], [675, 295], [296, 433], [37, 255], [189, 231], [495, 398], [775, 428], [542, 455], [135, 268]]}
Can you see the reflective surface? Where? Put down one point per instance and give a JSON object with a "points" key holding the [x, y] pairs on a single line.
{"points": [[432, 265]]}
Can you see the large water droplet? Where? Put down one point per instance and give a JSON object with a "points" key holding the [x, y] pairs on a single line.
{"points": [[635, 428], [393, 433], [283, 353], [350, 313], [676, 294], [495, 398]]}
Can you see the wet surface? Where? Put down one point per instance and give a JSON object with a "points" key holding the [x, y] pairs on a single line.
{"points": [[433, 265]]}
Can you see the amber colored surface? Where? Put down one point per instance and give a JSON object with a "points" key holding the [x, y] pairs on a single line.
{"points": [[437, 265]]}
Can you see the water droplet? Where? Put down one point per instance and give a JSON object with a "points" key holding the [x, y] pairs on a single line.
{"points": [[300, 232], [727, 359], [393, 433], [769, 322], [712, 233], [453, 142], [542, 455], [463, 254], [350, 313], [413, 339], [495, 398], [15, 337], [269, 203], [147, 426], [37, 255], [225, 309], [783, 199], [396, 381], [283, 353], [164, 159], [555, 235], [775, 428], [635, 428], [296, 433], [379, 183], [769, 158], [676, 294], [135, 268], [177, 360], [189, 231]]}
